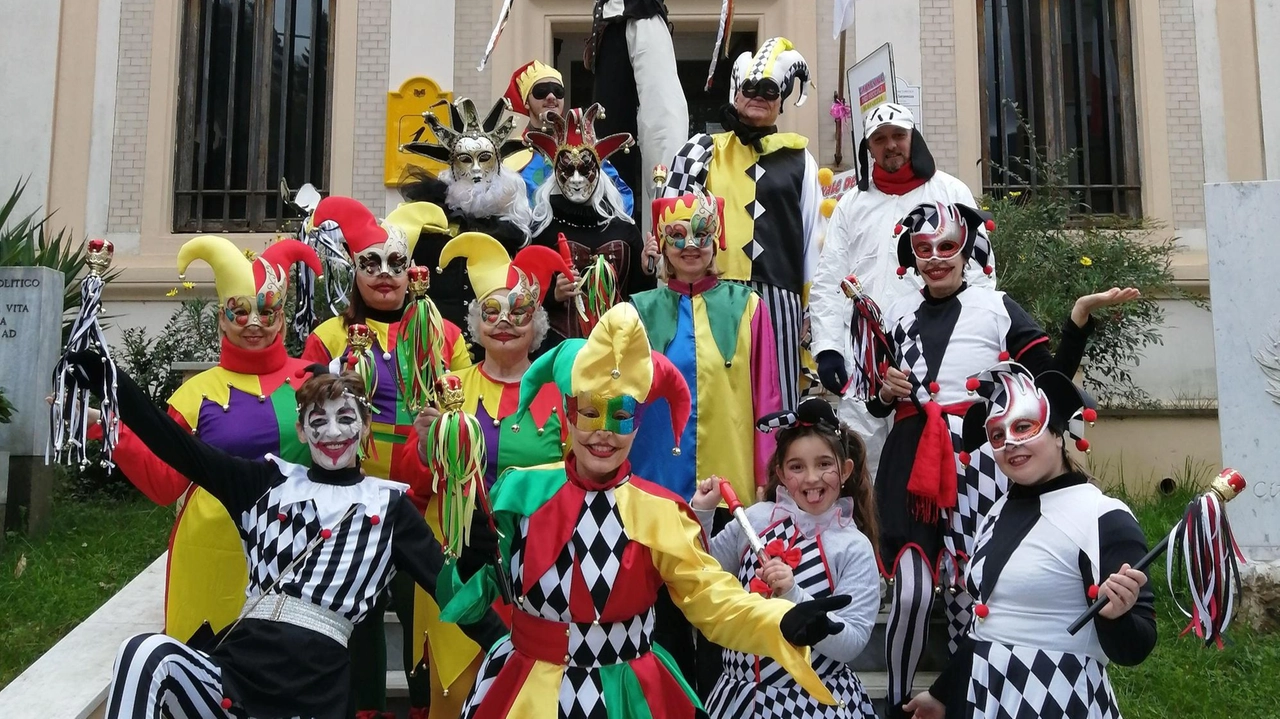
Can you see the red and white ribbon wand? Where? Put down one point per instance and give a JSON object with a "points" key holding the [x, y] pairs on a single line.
{"points": [[740, 514]]}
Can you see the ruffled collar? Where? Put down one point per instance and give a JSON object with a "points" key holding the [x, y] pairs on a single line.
{"points": [[839, 514], [257, 362], [690, 289], [622, 474]]}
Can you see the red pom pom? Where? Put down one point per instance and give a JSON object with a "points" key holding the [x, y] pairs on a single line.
{"points": [[1082, 445], [987, 270], [972, 384], [980, 611], [933, 388], [1093, 592], [408, 492], [897, 229], [374, 519], [226, 702], [964, 458], [1090, 414], [1004, 357], [325, 534], [990, 225], [902, 271], [283, 517]]}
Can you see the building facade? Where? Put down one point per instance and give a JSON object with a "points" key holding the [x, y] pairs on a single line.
{"points": [[149, 122]]}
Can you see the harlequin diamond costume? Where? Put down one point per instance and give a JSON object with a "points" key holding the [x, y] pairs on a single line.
{"points": [[244, 406], [586, 558], [828, 555], [1040, 555], [719, 337], [585, 208], [769, 183], [932, 496], [538, 80], [321, 544], [860, 240], [503, 285], [477, 192]]}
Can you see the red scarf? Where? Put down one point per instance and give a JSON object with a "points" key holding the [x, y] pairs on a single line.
{"points": [[264, 361], [896, 183], [933, 480]]}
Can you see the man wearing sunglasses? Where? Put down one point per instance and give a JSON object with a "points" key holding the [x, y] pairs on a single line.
{"points": [[535, 90], [769, 183], [896, 173]]}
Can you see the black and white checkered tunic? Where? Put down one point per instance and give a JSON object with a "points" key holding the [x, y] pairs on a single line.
{"points": [[754, 686]]}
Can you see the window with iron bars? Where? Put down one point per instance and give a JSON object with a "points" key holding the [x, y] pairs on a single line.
{"points": [[1061, 72], [253, 108]]}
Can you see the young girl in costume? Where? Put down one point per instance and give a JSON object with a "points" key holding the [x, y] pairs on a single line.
{"points": [[1048, 548], [379, 254], [244, 406], [818, 526], [931, 495], [586, 544], [321, 544]]}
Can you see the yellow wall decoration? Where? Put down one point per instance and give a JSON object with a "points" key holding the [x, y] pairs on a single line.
{"points": [[405, 124]]}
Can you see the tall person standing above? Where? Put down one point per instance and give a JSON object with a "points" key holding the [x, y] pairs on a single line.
{"points": [[861, 241], [769, 183]]}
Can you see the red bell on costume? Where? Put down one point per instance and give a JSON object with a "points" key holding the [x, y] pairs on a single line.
{"points": [[981, 611], [325, 534]]}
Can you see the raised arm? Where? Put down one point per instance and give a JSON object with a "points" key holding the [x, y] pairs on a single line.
{"points": [[689, 167]]}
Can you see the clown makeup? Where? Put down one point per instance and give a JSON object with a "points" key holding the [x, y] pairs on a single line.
{"points": [[603, 431], [474, 159], [591, 412], [813, 474], [333, 430], [577, 173]]}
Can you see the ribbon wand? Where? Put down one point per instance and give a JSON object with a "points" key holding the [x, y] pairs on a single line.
{"points": [[659, 182], [740, 514], [1209, 553]]}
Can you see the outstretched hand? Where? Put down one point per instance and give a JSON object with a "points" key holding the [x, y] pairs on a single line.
{"points": [[807, 623], [1088, 303]]}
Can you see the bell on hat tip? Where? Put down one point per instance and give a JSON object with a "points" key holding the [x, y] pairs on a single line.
{"points": [[990, 225], [1082, 445], [902, 272], [986, 270], [615, 373], [515, 428], [1090, 415], [675, 451]]}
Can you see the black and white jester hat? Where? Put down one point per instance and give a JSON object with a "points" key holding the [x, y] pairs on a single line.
{"points": [[777, 60], [1008, 390], [937, 221], [812, 411]]}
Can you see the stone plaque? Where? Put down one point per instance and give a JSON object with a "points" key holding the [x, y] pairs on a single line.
{"points": [[30, 343], [1243, 252]]}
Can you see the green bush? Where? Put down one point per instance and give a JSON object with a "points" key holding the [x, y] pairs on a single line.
{"points": [[1047, 255], [6, 409]]}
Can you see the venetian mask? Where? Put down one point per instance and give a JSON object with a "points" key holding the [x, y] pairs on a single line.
{"points": [[577, 172], [939, 234], [1025, 414], [590, 412], [517, 306], [333, 430], [388, 258], [474, 159]]}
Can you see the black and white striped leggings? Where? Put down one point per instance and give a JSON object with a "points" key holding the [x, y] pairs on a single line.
{"points": [[154, 672], [786, 314], [907, 632]]}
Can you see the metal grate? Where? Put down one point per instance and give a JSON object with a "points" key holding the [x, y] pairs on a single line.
{"points": [[255, 79], [1067, 67]]}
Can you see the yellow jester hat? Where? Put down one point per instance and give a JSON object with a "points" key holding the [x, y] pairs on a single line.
{"points": [[491, 268], [261, 281]]}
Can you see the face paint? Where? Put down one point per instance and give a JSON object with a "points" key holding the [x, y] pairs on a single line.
{"points": [[474, 159], [577, 173], [516, 307], [333, 431], [590, 412], [1024, 417], [389, 258], [263, 311]]}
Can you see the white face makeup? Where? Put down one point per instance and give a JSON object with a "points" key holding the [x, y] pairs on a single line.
{"points": [[474, 159], [333, 430]]}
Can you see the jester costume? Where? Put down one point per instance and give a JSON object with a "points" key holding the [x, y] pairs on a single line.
{"points": [[585, 210], [1040, 555], [587, 556], [520, 283], [532, 166], [244, 406], [718, 335], [769, 183]]}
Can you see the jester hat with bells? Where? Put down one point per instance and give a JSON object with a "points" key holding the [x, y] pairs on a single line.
{"points": [[777, 60], [468, 134], [256, 285], [574, 143], [527, 275], [1009, 393], [703, 211], [891, 114], [938, 222], [523, 80], [611, 369]]}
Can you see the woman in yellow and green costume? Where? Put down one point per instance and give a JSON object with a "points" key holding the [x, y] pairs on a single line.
{"points": [[509, 322], [586, 545], [244, 406]]}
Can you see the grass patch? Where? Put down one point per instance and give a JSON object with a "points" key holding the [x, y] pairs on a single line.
{"points": [[93, 550]]}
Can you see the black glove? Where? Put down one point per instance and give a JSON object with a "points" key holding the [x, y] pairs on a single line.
{"points": [[86, 369], [807, 623], [831, 371], [481, 550]]}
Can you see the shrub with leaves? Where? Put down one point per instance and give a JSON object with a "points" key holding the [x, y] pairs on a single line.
{"points": [[6, 408], [1047, 255], [191, 335]]}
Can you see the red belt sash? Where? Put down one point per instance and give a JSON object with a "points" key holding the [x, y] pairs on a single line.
{"points": [[933, 483], [548, 641]]}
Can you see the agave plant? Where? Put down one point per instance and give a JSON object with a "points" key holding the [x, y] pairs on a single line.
{"points": [[29, 242]]}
